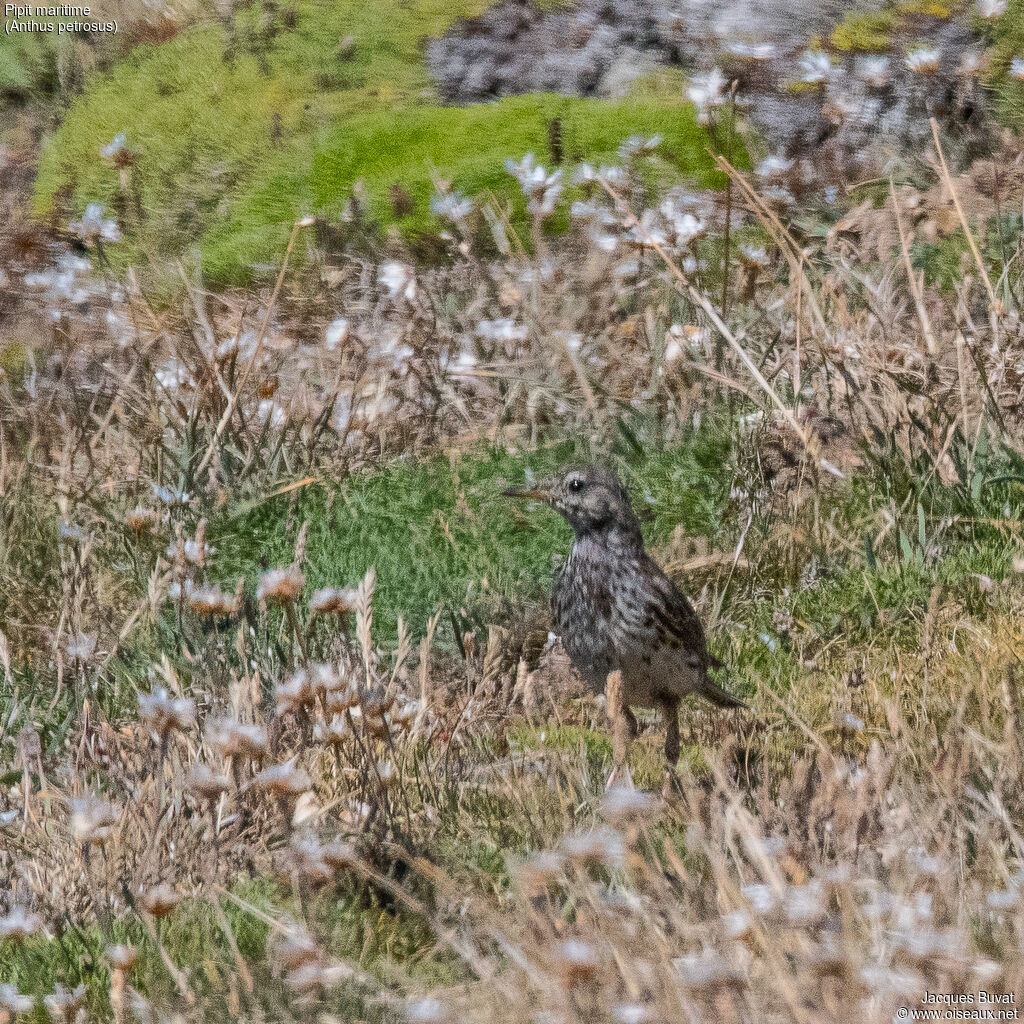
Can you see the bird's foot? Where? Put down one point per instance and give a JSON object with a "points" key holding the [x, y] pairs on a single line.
{"points": [[620, 776]]}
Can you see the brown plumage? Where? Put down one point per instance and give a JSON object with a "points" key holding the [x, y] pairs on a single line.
{"points": [[617, 612]]}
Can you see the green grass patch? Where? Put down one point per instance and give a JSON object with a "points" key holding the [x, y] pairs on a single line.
{"points": [[441, 537]]}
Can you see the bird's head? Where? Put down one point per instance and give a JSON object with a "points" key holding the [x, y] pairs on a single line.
{"points": [[592, 499]]}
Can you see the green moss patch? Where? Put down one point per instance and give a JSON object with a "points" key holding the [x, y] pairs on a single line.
{"points": [[237, 129]]}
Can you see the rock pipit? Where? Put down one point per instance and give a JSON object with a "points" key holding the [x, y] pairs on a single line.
{"points": [[626, 626]]}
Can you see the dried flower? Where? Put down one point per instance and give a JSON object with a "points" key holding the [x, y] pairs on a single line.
{"points": [[291, 949], [81, 647], [335, 732], [279, 586], [122, 958], [333, 600], [206, 783], [212, 601], [603, 846], [19, 925], [399, 280], [94, 227], [93, 819], [159, 900], [707, 970], [294, 694], [578, 962], [12, 1001], [991, 8], [283, 779], [314, 977], [924, 60], [63, 1005], [233, 739], [540, 872], [164, 713], [427, 1011], [336, 334], [815, 67], [190, 550], [142, 520], [623, 804]]}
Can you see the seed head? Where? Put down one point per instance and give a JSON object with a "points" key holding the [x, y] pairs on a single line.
{"points": [[212, 601], [93, 820], [19, 925], [164, 713], [122, 958], [63, 1005], [233, 739], [159, 900], [279, 586], [207, 784], [333, 600], [283, 779]]}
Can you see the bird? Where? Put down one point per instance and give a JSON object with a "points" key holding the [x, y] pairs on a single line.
{"points": [[626, 627]]}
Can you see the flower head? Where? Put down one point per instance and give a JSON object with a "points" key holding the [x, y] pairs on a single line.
{"points": [[159, 900], [279, 586], [93, 819], [333, 600], [399, 280], [164, 713]]}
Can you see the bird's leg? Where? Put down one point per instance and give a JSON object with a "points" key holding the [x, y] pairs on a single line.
{"points": [[670, 708], [623, 725]]}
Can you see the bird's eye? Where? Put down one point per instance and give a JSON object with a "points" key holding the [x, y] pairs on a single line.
{"points": [[575, 485]]}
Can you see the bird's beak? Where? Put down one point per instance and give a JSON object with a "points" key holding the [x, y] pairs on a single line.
{"points": [[529, 494]]}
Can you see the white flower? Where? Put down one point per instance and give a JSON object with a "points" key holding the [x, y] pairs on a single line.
{"points": [[453, 206], [752, 51], [94, 227], [687, 228], [399, 280], [502, 330], [873, 71], [174, 375], [271, 413], [119, 144], [612, 174], [772, 166], [584, 174], [706, 92], [924, 59], [815, 66], [337, 333], [1017, 68], [648, 233], [753, 255], [639, 145], [991, 8]]}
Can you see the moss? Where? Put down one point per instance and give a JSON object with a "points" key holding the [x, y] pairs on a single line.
{"points": [[865, 31], [238, 130], [28, 65], [926, 8], [415, 145]]}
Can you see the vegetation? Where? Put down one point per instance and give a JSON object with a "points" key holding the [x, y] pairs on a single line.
{"points": [[235, 131], [283, 734]]}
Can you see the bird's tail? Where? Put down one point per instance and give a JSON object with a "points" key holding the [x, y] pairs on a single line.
{"points": [[714, 693]]}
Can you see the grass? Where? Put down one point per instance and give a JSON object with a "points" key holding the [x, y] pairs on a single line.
{"points": [[441, 537], [238, 131]]}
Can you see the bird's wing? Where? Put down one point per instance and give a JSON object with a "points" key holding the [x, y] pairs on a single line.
{"points": [[675, 619]]}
